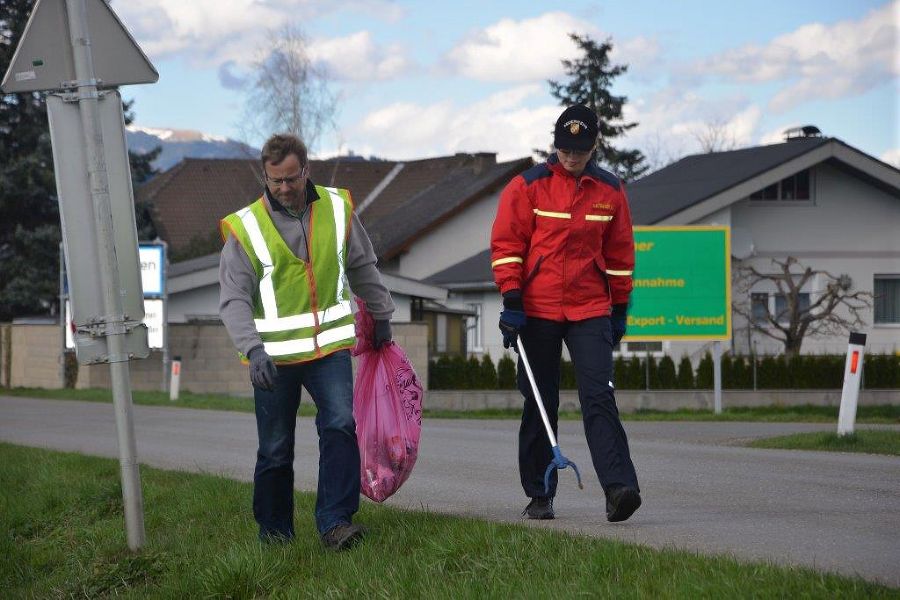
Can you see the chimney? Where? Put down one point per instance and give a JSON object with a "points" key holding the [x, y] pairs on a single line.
{"points": [[798, 133]]}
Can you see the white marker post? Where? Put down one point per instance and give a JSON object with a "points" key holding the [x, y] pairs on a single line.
{"points": [[852, 375], [175, 379]]}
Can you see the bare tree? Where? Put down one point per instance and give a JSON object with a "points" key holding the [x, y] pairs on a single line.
{"points": [[832, 309], [715, 136], [289, 93], [658, 153]]}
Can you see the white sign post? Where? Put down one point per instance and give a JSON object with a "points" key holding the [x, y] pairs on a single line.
{"points": [[852, 374], [75, 49]]}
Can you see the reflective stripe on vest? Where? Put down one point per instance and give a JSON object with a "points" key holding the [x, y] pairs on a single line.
{"points": [[327, 321]]}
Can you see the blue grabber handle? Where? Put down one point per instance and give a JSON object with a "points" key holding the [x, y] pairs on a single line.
{"points": [[559, 462]]}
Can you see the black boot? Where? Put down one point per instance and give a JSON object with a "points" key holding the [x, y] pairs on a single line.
{"points": [[539, 508], [621, 502]]}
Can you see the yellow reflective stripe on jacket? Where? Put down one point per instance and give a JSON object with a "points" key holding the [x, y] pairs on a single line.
{"points": [[340, 233], [623, 273], [598, 217], [333, 313], [266, 285], [554, 215], [306, 345], [503, 261]]}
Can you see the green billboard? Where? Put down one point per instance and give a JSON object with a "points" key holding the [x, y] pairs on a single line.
{"points": [[682, 284]]}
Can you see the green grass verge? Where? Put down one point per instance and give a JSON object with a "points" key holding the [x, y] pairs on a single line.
{"points": [[869, 441], [883, 414], [62, 535]]}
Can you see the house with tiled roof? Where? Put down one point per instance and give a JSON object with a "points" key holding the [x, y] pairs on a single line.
{"points": [[421, 216]]}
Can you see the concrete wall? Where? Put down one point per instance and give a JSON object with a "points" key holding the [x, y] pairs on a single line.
{"points": [[630, 401], [32, 357], [209, 361]]}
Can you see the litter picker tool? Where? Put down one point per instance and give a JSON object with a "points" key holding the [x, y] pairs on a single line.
{"points": [[559, 461]]}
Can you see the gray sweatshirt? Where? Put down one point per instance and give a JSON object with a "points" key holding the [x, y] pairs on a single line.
{"points": [[238, 283]]}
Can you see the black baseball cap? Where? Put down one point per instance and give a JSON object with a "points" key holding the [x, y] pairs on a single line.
{"points": [[576, 129]]}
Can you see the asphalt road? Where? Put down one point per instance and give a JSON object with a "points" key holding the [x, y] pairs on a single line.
{"points": [[701, 490]]}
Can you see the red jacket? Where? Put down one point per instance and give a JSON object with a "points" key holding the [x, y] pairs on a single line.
{"points": [[566, 243]]}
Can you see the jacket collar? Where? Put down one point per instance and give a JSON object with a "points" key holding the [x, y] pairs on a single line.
{"points": [[311, 196], [592, 170]]}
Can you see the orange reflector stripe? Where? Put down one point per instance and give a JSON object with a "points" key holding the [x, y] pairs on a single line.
{"points": [[854, 361]]}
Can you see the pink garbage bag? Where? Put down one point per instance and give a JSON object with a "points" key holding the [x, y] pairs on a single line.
{"points": [[387, 407]]}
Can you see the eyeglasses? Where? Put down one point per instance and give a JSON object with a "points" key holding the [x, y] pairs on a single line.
{"points": [[574, 153], [290, 181]]}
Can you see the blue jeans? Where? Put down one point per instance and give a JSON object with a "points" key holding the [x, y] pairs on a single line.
{"points": [[590, 346], [329, 380]]}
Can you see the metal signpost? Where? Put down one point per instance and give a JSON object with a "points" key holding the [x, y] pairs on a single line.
{"points": [[77, 50], [682, 288]]}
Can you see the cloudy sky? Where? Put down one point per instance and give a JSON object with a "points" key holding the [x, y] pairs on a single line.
{"points": [[420, 79]]}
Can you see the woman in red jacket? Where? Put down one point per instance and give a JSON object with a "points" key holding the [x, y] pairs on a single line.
{"points": [[562, 251]]}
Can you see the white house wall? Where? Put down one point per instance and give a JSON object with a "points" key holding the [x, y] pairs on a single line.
{"points": [[190, 304], [455, 240]]}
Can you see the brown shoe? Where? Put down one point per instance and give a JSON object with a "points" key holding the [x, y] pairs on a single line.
{"points": [[343, 536]]}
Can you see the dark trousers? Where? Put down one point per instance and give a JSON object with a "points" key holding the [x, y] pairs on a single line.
{"points": [[590, 346], [329, 381]]}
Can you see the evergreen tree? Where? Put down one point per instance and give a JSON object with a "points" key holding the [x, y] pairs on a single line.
{"points": [[590, 81], [473, 374], [488, 373], [705, 373], [685, 374], [29, 214], [506, 373], [666, 373]]}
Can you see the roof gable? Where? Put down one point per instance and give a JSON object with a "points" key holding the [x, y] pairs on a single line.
{"points": [[692, 181]]}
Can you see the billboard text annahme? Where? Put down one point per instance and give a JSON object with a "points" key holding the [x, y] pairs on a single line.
{"points": [[682, 284]]}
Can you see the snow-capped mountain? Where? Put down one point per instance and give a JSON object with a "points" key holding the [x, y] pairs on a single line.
{"points": [[181, 143]]}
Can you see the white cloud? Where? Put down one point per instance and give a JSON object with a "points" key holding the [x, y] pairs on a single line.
{"points": [[776, 135], [817, 61], [672, 121], [356, 57], [892, 157], [211, 32], [526, 50], [532, 49], [501, 123]]}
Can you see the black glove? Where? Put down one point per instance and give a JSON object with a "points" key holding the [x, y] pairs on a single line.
{"points": [[263, 371], [382, 333], [512, 318], [619, 321]]}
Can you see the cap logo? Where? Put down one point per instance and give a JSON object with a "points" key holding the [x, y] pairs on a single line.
{"points": [[575, 126]]}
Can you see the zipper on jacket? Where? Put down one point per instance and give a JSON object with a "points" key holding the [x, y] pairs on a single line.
{"points": [[533, 272]]}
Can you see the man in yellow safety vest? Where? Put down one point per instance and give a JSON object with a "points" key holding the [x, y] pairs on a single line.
{"points": [[285, 302]]}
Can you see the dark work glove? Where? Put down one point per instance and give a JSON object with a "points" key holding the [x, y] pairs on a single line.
{"points": [[619, 320], [512, 318], [382, 333], [263, 371]]}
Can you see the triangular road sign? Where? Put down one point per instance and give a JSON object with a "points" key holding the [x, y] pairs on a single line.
{"points": [[43, 59]]}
